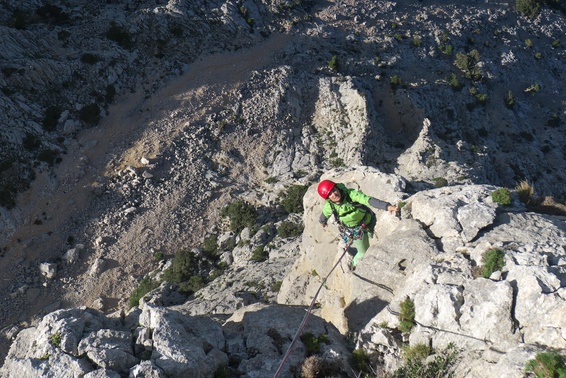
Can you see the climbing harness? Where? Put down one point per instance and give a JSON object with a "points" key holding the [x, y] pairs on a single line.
{"points": [[349, 234], [303, 323]]}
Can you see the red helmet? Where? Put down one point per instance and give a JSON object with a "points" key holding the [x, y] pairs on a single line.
{"points": [[325, 187]]}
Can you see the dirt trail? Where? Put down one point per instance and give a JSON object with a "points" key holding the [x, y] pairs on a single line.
{"points": [[61, 201]]}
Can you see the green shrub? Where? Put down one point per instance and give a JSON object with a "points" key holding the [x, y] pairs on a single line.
{"points": [[509, 99], [493, 260], [439, 182], [259, 254], [120, 35], [55, 339], [447, 49], [210, 246], [468, 64], [31, 142], [146, 285], [183, 267], [528, 8], [556, 43], [312, 342], [51, 117], [89, 58], [395, 81], [529, 43], [194, 284], [361, 361], [292, 200], [407, 316], [417, 352], [547, 365], [290, 229], [417, 41], [538, 56], [20, 19], [90, 114], [49, 156], [454, 82], [441, 366], [110, 93], [338, 162], [222, 372], [502, 196], [554, 120], [333, 63], [241, 215]]}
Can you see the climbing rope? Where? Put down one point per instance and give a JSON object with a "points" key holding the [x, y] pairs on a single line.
{"points": [[304, 322]]}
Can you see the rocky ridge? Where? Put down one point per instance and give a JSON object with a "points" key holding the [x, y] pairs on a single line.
{"points": [[303, 118]]}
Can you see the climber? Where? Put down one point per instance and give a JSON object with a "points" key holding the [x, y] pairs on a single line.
{"points": [[356, 221]]}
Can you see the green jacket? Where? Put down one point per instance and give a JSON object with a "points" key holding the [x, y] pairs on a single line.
{"points": [[347, 211]]}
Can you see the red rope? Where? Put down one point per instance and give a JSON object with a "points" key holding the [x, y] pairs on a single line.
{"points": [[304, 322]]}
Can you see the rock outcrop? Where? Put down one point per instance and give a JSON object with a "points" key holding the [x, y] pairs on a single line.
{"points": [[431, 254], [128, 125]]}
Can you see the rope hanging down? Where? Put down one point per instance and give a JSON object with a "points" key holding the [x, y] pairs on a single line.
{"points": [[304, 322]]}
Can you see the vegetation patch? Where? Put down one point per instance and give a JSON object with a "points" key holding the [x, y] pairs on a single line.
{"points": [[407, 315], [289, 229], [546, 365], [442, 365], [502, 196], [146, 285], [492, 261], [312, 343], [241, 215], [292, 199]]}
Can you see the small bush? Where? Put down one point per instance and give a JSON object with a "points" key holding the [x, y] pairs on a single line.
{"points": [[222, 372], [533, 88], [290, 229], [51, 117], [241, 215], [146, 285], [502, 196], [210, 246], [454, 82], [31, 142], [361, 360], [120, 35], [407, 316], [439, 182], [547, 365], [317, 367], [417, 352], [49, 156], [509, 99], [259, 254], [492, 261], [556, 43], [55, 339], [194, 284], [395, 81], [525, 190], [183, 267], [333, 63], [89, 58], [468, 64], [90, 114], [528, 8], [441, 366], [312, 342], [292, 200]]}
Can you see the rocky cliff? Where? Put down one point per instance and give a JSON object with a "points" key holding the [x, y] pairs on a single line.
{"points": [[128, 126]]}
